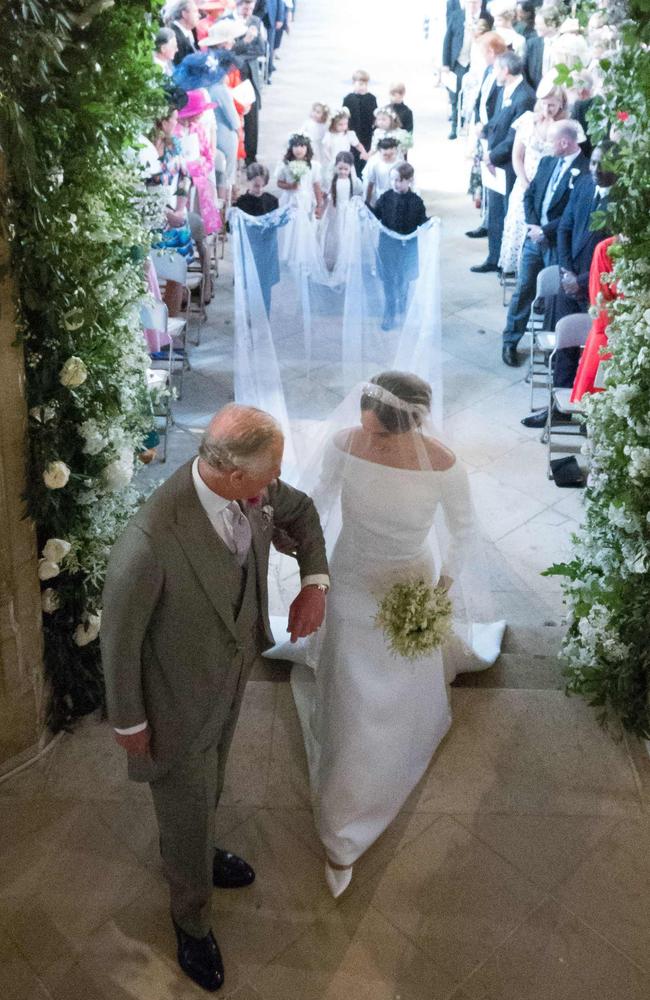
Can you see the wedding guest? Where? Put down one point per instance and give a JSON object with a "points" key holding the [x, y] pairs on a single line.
{"points": [[456, 49], [492, 45], [249, 49], [576, 237], [538, 57], [211, 11], [525, 18], [515, 97], [397, 93], [183, 17], [402, 211], [345, 185], [504, 13], [221, 38], [299, 176], [362, 105], [166, 47], [377, 176], [545, 199], [263, 240], [532, 141], [185, 614]]}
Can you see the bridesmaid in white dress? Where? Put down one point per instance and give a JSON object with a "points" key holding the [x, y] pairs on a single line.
{"points": [[371, 719], [345, 185]]}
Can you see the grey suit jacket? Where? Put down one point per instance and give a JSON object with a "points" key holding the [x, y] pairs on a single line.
{"points": [[168, 635]]}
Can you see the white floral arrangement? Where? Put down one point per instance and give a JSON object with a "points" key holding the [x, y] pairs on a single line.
{"points": [[298, 169], [415, 617]]}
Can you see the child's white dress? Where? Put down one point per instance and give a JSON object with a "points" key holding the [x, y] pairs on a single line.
{"points": [[335, 143], [334, 220], [377, 173], [316, 131], [304, 195]]}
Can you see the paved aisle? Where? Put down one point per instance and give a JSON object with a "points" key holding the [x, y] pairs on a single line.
{"points": [[520, 867]]}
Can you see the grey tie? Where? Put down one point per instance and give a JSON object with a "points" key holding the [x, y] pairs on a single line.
{"points": [[550, 191], [241, 532]]}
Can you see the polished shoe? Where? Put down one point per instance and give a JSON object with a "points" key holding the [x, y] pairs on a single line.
{"points": [[200, 959], [230, 872], [510, 357], [453, 134], [388, 322], [338, 879], [540, 418], [485, 268], [477, 234]]}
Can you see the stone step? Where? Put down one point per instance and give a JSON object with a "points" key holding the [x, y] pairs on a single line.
{"points": [[526, 671]]}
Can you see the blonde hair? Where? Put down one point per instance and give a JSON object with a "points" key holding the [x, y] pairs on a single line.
{"points": [[338, 116], [397, 88], [554, 93], [360, 74], [321, 108]]}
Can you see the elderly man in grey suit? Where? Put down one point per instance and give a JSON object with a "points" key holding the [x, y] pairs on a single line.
{"points": [[185, 615]]}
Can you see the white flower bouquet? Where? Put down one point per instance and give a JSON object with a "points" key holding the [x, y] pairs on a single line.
{"points": [[298, 169], [415, 617]]}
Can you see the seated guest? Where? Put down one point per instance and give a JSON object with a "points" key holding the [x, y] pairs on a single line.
{"points": [[514, 98], [544, 202], [538, 57], [587, 362], [576, 240]]}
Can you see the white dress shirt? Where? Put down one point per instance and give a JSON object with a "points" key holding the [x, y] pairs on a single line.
{"points": [[221, 518]]}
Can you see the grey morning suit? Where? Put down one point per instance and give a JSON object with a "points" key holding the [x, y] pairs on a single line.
{"points": [[182, 625]]}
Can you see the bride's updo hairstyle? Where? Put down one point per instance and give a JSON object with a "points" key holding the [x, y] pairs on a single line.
{"points": [[411, 400]]}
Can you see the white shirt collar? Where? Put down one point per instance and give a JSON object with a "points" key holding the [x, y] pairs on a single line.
{"points": [[570, 157], [602, 192], [510, 87], [211, 502]]}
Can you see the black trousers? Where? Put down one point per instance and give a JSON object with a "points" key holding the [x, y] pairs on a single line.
{"points": [[496, 219], [251, 133], [454, 95]]}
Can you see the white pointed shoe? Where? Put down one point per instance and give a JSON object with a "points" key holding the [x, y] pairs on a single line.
{"points": [[338, 879]]}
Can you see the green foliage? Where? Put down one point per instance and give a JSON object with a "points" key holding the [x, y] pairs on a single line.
{"points": [[608, 580], [77, 87]]}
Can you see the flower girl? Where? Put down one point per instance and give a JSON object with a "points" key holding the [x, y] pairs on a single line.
{"points": [[389, 126], [298, 176], [341, 139], [315, 128], [345, 185]]}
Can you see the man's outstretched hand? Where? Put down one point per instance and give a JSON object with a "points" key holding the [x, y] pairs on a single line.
{"points": [[306, 613]]}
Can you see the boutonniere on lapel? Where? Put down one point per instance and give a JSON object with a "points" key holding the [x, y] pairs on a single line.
{"points": [[507, 101], [263, 507], [574, 174]]}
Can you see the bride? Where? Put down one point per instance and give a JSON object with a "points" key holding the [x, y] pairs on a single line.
{"points": [[371, 719]]}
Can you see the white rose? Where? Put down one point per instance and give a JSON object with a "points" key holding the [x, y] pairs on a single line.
{"points": [[95, 439], [56, 549], [87, 631], [73, 373], [56, 475], [47, 569], [50, 601], [119, 472]]}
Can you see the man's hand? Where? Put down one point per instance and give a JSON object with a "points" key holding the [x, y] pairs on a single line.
{"points": [[536, 234], [137, 743], [250, 35], [570, 284], [306, 613], [488, 163], [278, 25]]}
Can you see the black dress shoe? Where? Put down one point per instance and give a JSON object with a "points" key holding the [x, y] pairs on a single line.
{"points": [[200, 959], [510, 357], [485, 268], [453, 134], [477, 234], [230, 872], [540, 417]]}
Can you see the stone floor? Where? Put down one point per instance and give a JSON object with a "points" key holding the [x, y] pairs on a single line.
{"points": [[519, 868]]}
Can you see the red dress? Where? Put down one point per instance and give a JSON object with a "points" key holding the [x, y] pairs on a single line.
{"points": [[591, 356]]}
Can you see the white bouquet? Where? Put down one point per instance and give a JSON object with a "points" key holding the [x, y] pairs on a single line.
{"points": [[298, 169], [415, 617]]}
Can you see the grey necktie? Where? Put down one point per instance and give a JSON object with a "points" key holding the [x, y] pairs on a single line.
{"points": [[550, 191], [241, 532]]}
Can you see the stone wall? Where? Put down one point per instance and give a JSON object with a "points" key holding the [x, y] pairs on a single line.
{"points": [[21, 674]]}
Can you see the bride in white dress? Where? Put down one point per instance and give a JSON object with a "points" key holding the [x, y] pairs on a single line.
{"points": [[371, 719]]}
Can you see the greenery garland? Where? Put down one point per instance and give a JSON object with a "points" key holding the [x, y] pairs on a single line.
{"points": [[607, 585], [77, 86]]}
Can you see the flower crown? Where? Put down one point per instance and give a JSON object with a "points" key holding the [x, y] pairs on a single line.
{"points": [[298, 139]]}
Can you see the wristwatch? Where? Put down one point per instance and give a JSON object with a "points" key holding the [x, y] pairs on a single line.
{"points": [[320, 586]]}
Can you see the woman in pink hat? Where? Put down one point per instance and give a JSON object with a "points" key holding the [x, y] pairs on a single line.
{"points": [[197, 132]]}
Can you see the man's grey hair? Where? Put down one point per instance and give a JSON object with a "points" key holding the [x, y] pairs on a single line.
{"points": [[512, 62], [175, 11], [567, 129], [244, 442]]}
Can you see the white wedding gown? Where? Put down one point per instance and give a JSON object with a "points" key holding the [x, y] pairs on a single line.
{"points": [[372, 720]]}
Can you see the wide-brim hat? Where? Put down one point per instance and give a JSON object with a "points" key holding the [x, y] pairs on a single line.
{"points": [[198, 101], [213, 5], [224, 30]]}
